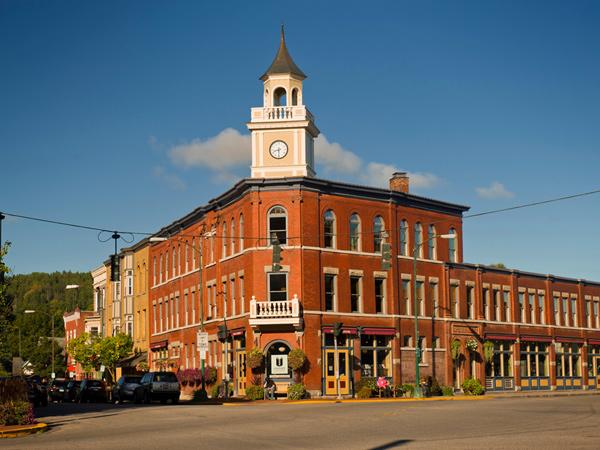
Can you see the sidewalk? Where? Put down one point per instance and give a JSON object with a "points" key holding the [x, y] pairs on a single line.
{"points": [[527, 394]]}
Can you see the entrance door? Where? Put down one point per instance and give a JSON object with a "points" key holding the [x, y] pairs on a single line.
{"points": [[241, 373], [596, 363], [330, 370]]}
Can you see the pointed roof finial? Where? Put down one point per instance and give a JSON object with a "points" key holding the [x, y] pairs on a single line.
{"points": [[283, 62]]}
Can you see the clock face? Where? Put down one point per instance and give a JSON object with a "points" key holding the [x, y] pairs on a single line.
{"points": [[278, 149]]}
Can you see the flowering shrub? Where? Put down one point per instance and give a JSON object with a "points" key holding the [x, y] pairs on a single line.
{"points": [[409, 390], [210, 375], [382, 383], [254, 358], [190, 377], [472, 345], [296, 359], [296, 391], [16, 413]]}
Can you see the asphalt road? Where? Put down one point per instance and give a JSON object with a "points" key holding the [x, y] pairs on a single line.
{"points": [[548, 423]]}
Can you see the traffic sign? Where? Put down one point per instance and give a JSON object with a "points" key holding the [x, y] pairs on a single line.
{"points": [[202, 341]]}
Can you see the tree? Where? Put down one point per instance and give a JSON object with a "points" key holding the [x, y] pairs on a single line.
{"points": [[112, 349], [499, 266], [82, 350], [6, 313]]}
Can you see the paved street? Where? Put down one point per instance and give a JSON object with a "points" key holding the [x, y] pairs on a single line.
{"points": [[549, 423]]}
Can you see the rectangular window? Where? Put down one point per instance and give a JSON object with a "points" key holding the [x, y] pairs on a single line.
{"points": [[596, 315], [355, 294], [573, 312], [193, 302], [278, 287], [522, 307], [375, 356], [506, 297], [532, 310], [542, 307], [556, 310], [380, 295], [470, 303], [329, 292], [433, 294], [588, 313], [421, 298], [130, 282], [486, 303], [224, 296], [407, 341], [154, 330], [422, 346], [454, 293], [185, 307], [497, 312], [242, 296], [565, 310], [406, 296], [232, 295]]}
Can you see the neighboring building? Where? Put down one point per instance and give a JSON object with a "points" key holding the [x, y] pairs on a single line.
{"points": [[140, 300], [76, 323], [99, 281], [215, 268]]}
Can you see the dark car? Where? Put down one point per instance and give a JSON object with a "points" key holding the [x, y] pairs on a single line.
{"points": [[57, 390], [36, 392], [91, 391], [161, 386], [125, 388], [71, 390]]}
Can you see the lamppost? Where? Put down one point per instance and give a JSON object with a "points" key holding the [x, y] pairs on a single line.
{"points": [[51, 316], [418, 350], [200, 294]]}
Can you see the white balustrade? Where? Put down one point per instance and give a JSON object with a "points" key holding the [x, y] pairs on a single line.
{"points": [[273, 113], [287, 311]]}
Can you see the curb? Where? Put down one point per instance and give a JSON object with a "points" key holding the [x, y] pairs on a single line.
{"points": [[13, 431], [369, 400]]}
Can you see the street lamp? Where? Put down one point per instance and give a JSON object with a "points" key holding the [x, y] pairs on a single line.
{"points": [[51, 316], [416, 248]]}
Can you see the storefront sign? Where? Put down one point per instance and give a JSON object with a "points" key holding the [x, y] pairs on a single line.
{"points": [[279, 365]]}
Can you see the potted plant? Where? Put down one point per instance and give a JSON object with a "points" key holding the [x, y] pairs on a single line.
{"points": [[296, 361], [255, 358], [488, 351], [472, 344], [455, 349]]}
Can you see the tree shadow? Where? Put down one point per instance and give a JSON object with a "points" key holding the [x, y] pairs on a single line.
{"points": [[392, 444]]}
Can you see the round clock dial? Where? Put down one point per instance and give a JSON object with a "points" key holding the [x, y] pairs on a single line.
{"points": [[278, 149]]}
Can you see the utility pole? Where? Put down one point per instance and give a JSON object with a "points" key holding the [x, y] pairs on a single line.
{"points": [[2, 217]]}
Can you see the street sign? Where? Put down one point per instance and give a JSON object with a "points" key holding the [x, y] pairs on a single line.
{"points": [[202, 340]]}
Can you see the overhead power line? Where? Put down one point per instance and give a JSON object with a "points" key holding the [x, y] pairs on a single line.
{"points": [[145, 233]]}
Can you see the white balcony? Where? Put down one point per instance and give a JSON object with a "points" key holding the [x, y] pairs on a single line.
{"points": [[280, 113], [275, 313]]}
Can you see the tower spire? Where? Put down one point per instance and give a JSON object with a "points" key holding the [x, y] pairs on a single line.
{"points": [[283, 62]]}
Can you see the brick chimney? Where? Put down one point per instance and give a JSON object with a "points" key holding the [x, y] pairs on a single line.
{"points": [[399, 182]]}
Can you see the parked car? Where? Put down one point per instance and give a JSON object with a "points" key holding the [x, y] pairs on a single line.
{"points": [[71, 390], [91, 391], [57, 389], [125, 388], [36, 392], [161, 386]]}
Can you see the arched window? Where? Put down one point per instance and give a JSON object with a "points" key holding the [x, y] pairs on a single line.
{"points": [[378, 229], [294, 96], [355, 232], [194, 251], [432, 240], [329, 229], [404, 238], [232, 237], [224, 241], [279, 97], [452, 246], [241, 232], [277, 219], [419, 239]]}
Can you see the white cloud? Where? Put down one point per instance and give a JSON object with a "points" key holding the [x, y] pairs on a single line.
{"points": [[172, 180], [230, 150], [334, 159], [496, 190]]}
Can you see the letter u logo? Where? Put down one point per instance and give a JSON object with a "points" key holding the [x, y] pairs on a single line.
{"points": [[279, 362]]}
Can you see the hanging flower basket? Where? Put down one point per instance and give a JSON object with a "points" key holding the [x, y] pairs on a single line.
{"points": [[455, 349], [254, 358], [296, 359], [488, 351], [472, 345]]}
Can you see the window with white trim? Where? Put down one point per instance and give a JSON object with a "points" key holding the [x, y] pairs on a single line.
{"points": [[277, 224]]}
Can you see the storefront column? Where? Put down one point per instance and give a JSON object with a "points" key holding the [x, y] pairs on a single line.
{"points": [[584, 364], [552, 354], [517, 364], [396, 358]]}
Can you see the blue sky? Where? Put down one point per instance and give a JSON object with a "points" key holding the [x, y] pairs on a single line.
{"points": [[502, 96]]}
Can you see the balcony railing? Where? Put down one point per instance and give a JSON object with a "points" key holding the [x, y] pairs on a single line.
{"points": [[274, 113], [275, 313]]}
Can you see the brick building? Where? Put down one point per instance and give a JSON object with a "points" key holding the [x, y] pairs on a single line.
{"points": [[76, 323], [511, 329]]}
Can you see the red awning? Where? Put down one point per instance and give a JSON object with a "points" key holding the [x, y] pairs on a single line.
{"points": [[501, 337], [536, 338], [345, 330], [159, 344], [594, 341], [379, 331], [569, 339]]}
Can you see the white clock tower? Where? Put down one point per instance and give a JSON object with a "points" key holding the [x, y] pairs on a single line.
{"points": [[283, 129]]}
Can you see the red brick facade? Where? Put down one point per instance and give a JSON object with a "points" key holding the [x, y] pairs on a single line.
{"points": [[378, 336]]}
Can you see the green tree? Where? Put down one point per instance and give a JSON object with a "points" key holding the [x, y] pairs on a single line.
{"points": [[499, 266], [83, 350], [6, 313], [112, 349]]}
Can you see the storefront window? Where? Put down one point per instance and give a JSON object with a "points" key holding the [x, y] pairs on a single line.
{"points": [[534, 359], [501, 365], [593, 361], [375, 356], [568, 360]]}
